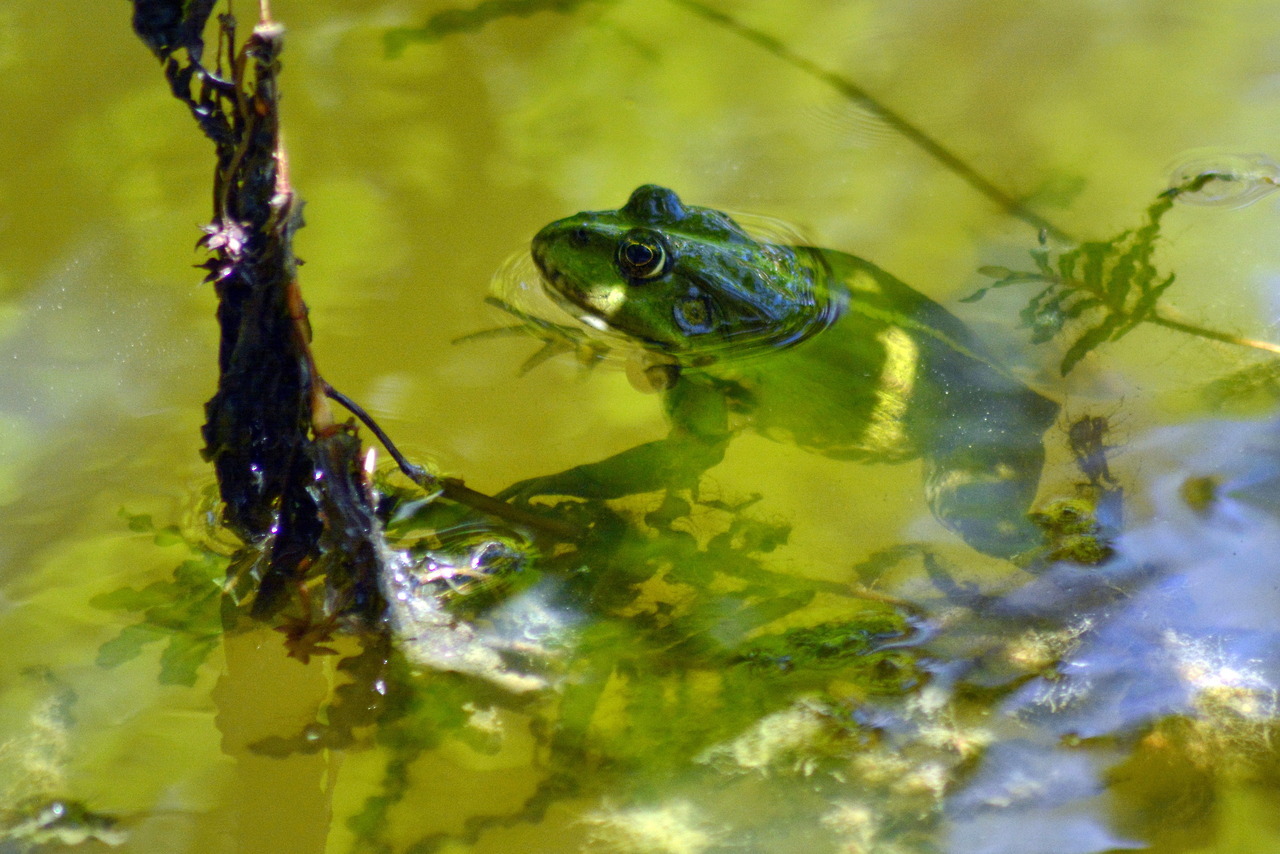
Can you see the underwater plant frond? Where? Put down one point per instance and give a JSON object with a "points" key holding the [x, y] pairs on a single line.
{"points": [[1104, 289]]}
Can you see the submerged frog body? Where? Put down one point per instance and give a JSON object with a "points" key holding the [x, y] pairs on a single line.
{"points": [[804, 345]]}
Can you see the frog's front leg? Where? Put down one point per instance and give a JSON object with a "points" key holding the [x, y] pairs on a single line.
{"points": [[697, 442]]}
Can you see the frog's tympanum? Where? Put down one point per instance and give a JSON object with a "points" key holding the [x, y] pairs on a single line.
{"points": [[804, 345]]}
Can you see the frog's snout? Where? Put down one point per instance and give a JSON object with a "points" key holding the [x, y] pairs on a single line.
{"points": [[538, 260], [543, 259], [554, 281]]}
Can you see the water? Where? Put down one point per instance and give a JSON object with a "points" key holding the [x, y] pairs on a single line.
{"points": [[858, 731]]}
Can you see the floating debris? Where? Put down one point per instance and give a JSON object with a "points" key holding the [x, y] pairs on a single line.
{"points": [[60, 822], [474, 606], [671, 828]]}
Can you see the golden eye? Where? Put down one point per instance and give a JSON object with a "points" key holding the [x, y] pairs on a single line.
{"points": [[642, 255]]}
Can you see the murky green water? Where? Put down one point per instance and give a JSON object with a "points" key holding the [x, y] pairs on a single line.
{"points": [[698, 691]]}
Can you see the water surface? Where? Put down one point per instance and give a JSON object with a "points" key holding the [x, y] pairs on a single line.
{"points": [[970, 708]]}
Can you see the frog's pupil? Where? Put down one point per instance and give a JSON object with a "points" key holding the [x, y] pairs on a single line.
{"points": [[641, 256], [638, 255]]}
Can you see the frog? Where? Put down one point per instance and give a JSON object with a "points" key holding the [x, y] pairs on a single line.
{"points": [[814, 347]]}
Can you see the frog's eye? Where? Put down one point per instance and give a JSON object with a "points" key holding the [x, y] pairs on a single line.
{"points": [[642, 255], [693, 315]]}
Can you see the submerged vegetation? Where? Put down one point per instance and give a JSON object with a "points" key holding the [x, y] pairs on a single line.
{"points": [[186, 613], [1107, 286], [665, 669]]}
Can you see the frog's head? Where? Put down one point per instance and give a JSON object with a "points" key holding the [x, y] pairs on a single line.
{"points": [[679, 279]]}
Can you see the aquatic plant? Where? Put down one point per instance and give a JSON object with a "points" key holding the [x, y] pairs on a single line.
{"points": [[1108, 287], [184, 612]]}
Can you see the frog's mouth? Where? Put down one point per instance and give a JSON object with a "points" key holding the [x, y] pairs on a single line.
{"points": [[519, 290], [524, 288], [593, 306]]}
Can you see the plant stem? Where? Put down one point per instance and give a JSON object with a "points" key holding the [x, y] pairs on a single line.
{"points": [[892, 118], [1213, 334], [451, 487]]}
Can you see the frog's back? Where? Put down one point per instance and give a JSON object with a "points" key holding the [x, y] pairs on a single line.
{"points": [[895, 376]]}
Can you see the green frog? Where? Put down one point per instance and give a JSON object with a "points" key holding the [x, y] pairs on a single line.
{"points": [[803, 345]]}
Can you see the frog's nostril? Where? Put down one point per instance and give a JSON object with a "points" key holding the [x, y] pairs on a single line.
{"points": [[580, 237]]}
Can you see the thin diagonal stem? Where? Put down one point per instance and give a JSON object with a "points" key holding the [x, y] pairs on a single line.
{"points": [[452, 488], [899, 123], [1213, 334]]}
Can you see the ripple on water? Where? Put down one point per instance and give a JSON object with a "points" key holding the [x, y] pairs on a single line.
{"points": [[1229, 180]]}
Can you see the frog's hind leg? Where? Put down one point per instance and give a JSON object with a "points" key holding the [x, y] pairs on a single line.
{"points": [[983, 493]]}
